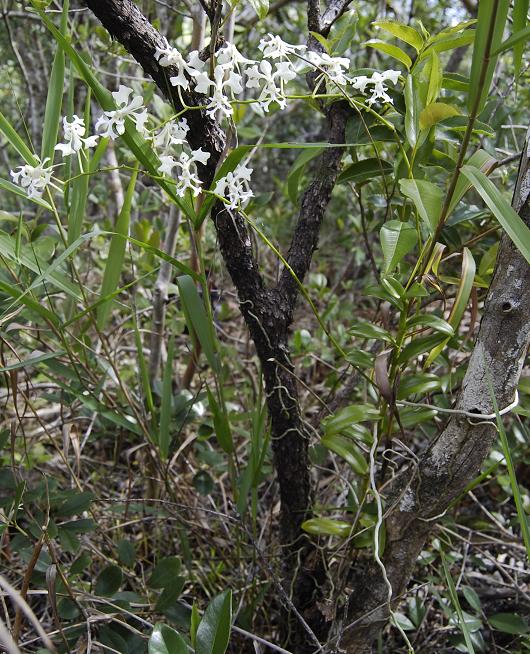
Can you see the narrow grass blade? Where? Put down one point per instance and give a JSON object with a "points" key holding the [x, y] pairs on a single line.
{"points": [[54, 100], [166, 407], [453, 595], [519, 504], [116, 256]]}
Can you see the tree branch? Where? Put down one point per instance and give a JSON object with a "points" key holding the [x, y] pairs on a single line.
{"points": [[333, 12]]}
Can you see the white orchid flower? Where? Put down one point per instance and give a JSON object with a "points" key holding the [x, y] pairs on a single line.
{"points": [[271, 83], [216, 90], [333, 66], [171, 134], [169, 56], [379, 90], [230, 58], [33, 179], [112, 123], [235, 187], [273, 47], [74, 137], [187, 179]]}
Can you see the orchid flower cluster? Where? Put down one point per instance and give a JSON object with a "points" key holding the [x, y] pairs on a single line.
{"points": [[232, 74]]}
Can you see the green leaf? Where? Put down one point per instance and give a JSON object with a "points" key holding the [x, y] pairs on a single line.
{"points": [[166, 403], [501, 209], [108, 581], [165, 640], [509, 623], [402, 32], [54, 100], [165, 572], [364, 171], [364, 329], [479, 159], [16, 142], [348, 450], [76, 503], [17, 190], [456, 605], [297, 170], [397, 240], [261, 7], [432, 321], [126, 553], [197, 319], [221, 424], [213, 632], [116, 257], [169, 596], [327, 527], [31, 361], [427, 199], [392, 50], [413, 110], [347, 416], [432, 73], [520, 32], [492, 15], [516, 39], [435, 112]]}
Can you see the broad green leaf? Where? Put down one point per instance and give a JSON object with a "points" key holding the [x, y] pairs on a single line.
{"points": [[460, 304], [432, 321], [432, 71], [364, 171], [449, 42], [164, 573], [108, 581], [479, 159], [435, 112], [198, 319], [165, 640], [348, 450], [116, 257], [365, 329], [509, 623], [126, 553], [402, 32], [427, 199], [413, 110], [392, 50], [213, 632], [467, 277], [501, 209], [397, 240], [327, 527], [492, 15], [261, 7], [347, 416]]}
